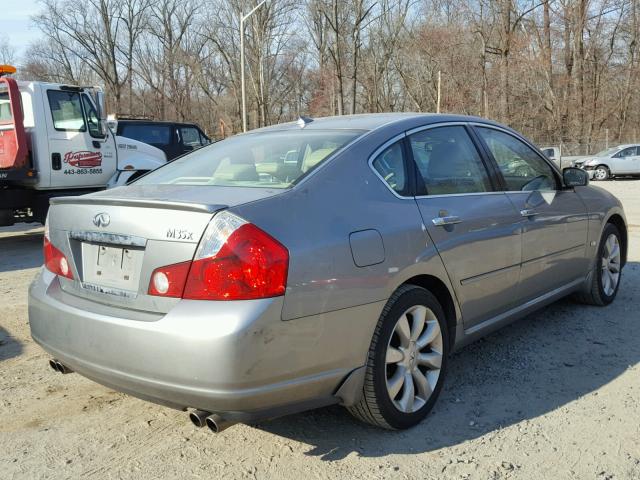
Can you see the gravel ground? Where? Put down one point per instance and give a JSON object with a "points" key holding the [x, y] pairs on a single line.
{"points": [[555, 396]]}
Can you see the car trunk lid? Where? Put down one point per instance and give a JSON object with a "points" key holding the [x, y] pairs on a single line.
{"points": [[114, 240]]}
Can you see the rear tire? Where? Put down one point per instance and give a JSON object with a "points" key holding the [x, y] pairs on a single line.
{"points": [[407, 361], [607, 271]]}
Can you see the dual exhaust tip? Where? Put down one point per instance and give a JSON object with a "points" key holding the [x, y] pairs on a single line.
{"points": [[215, 422], [59, 367], [199, 418]]}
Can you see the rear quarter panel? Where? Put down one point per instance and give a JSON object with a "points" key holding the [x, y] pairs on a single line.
{"points": [[601, 206]]}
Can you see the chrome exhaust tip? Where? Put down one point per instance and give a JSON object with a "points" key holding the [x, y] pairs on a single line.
{"points": [[217, 424], [59, 367], [54, 365], [199, 417]]}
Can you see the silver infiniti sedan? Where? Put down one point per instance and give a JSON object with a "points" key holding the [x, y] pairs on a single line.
{"points": [[336, 260]]}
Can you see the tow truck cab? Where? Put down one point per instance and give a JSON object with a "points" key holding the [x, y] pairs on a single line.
{"points": [[54, 142]]}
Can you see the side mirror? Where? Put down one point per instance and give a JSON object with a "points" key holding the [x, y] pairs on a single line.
{"points": [[575, 177], [102, 116], [100, 105]]}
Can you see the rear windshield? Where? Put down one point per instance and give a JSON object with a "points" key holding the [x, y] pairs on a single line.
{"points": [[275, 159], [5, 106], [147, 133]]}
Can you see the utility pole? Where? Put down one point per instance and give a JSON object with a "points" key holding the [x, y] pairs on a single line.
{"points": [[243, 18], [439, 82]]}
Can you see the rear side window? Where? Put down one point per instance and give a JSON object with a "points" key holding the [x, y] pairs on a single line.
{"points": [[274, 159], [448, 162], [390, 166], [522, 168], [5, 106], [147, 133], [66, 111]]}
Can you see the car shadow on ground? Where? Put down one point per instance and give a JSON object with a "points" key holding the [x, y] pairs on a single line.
{"points": [[532, 367], [9, 346], [20, 250]]}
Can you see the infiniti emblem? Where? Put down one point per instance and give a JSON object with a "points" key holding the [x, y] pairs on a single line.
{"points": [[101, 220]]}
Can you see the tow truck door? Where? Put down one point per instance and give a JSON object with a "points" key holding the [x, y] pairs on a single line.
{"points": [[80, 156]]}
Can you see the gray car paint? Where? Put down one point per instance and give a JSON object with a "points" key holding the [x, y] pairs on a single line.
{"points": [[298, 349]]}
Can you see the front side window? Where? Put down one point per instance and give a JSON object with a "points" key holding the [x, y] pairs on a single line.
{"points": [[66, 110], [391, 167], [522, 168], [273, 159], [627, 152], [448, 162], [190, 137], [204, 140]]}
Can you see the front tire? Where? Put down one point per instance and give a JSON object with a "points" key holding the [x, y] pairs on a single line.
{"points": [[601, 173], [607, 272], [407, 361]]}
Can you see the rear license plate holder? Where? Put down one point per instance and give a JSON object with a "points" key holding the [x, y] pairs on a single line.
{"points": [[112, 266]]}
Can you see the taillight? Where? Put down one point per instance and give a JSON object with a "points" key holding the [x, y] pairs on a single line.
{"points": [[235, 260], [169, 281], [54, 259]]}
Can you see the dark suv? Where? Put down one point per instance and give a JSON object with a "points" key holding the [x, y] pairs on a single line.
{"points": [[173, 138]]}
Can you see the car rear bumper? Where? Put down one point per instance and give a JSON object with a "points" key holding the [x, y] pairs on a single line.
{"points": [[214, 356]]}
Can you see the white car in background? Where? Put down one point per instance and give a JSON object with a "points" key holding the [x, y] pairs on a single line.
{"points": [[615, 161]]}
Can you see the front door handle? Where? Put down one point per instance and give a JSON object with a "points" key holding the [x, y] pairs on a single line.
{"points": [[56, 161], [448, 220], [527, 212]]}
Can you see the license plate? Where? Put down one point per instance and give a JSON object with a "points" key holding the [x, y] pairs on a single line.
{"points": [[111, 266]]}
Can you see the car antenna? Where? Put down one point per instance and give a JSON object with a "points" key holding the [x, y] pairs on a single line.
{"points": [[304, 121]]}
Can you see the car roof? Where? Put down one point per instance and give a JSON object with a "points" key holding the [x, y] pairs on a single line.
{"points": [[372, 121], [155, 122]]}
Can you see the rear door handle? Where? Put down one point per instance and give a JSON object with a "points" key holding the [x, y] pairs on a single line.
{"points": [[528, 213], [448, 220]]}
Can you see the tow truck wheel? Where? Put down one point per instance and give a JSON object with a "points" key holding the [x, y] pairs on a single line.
{"points": [[6, 218]]}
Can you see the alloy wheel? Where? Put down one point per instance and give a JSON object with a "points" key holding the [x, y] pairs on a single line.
{"points": [[414, 359], [610, 265], [601, 173]]}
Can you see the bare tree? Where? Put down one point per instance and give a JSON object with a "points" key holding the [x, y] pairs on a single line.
{"points": [[7, 51], [563, 71]]}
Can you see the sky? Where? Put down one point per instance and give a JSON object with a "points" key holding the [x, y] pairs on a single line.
{"points": [[15, 22]]}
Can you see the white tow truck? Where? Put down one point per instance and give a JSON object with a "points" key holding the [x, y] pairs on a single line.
{"points": [[54, 142]]}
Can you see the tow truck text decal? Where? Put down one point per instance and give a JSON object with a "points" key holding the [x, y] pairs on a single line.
{"points": [[85, 162]]}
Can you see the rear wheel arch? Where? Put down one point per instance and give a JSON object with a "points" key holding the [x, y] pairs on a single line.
{"points": [[438, 288]]}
